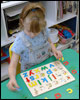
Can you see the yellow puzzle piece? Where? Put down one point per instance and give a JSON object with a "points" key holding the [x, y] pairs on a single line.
{"points": [[70, 90]]}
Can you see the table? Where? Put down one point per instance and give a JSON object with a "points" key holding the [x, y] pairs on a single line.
{"points": [[69, 55]]}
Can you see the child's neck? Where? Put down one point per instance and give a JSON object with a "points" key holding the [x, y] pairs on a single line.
{"points": [[30, 34]]}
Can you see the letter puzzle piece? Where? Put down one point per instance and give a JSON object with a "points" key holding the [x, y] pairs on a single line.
{"points": [[57, 95], [32, 84], [37, 70], [66, 63], [74, 71], [44, 79], [51, 65], [30, 72], [61, 58], [43, 68], [70, 90], [49, 72], [45, 98]]}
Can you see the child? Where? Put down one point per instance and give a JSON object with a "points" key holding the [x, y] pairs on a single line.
{"points": [[33, 43]]}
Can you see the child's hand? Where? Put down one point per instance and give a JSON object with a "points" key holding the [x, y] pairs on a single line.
{"points": [[58, 54], [12, 83]]}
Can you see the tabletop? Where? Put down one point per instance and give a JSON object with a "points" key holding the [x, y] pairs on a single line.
{"points": [[72, 57]]}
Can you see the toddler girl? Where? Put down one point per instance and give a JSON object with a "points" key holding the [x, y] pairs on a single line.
{"points": [[33, 44]]}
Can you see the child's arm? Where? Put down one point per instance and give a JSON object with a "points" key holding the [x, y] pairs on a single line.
{"points": [[12, 72], [56, 52]]}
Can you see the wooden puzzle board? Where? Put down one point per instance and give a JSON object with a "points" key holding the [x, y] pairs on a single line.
{"points": [[46, 78]]}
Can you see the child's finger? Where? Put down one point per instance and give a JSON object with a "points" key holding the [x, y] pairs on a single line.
{"points": [[16, 85], [56, 56], [11, 87]]}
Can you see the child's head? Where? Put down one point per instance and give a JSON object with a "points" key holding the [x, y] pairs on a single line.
{"points": [[32, 18]]}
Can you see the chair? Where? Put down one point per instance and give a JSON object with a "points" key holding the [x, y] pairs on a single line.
{"points": [[18, 69]]}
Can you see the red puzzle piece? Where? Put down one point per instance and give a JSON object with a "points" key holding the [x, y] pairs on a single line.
{"points": [[74, 71], [66, 62], [57, 95], [30, 72], [27, 80]]}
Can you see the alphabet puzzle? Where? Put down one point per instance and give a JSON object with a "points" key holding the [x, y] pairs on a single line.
{"points": [[46, 78]]}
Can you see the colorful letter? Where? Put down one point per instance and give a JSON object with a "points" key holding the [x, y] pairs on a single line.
{"points": [[74, 71], [57, 95], [44, 79], [70, 90], [27, 80], [37, 76], [45, 98], [37, 70], [39, 82], [25, 74], [61, 58], [44, 68], [32, 78], [53, 76], [30, 72], [49, 77], [51, 65], [66, 62], [49, 72], [32, 84]]}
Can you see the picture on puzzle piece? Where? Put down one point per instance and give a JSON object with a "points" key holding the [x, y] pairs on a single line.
{"points": [[46, 78]]}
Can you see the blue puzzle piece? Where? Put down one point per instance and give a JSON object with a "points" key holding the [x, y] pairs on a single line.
{"points": [[51, 65], [19, 89], [49, 72], [25, 74], [44, 79], [32, 78]]}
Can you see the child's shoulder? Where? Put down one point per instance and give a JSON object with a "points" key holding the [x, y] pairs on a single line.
{"points": [[18, 39]]}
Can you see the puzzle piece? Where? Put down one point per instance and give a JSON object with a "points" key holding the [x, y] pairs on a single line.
{"points": [[30, 72], [25, 74], [57, 95], [44, 79], [49, 71], [49, 77], [37, 76], [61, 58], [66, 63], [45, 98], [27, 80], [19, 89], [74, 71], [70, 90], [39, 82], [54, 76], [43, 68], [51, 65], [32, 78], [32, 84], [37, 70]]}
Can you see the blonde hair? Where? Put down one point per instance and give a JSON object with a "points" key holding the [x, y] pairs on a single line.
{"points": [[37, 17]]}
